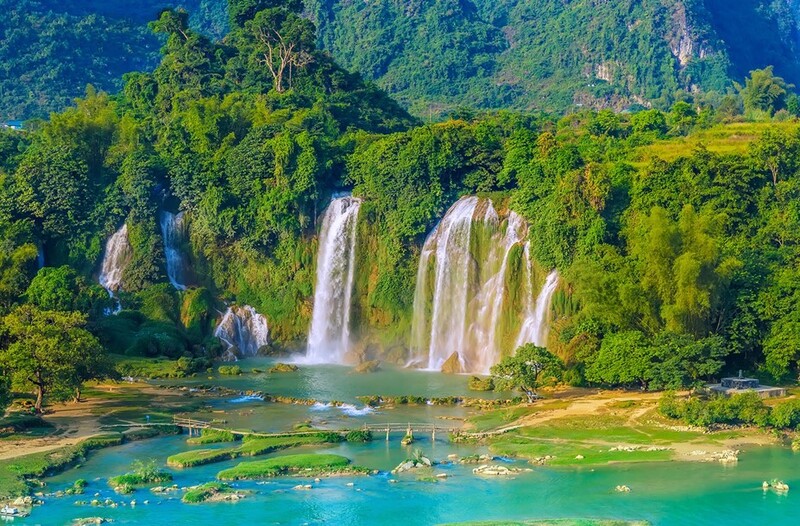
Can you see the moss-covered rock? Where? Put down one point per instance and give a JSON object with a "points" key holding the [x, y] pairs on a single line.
{"points": [[368, 367], [476, 383], [283, 368]]}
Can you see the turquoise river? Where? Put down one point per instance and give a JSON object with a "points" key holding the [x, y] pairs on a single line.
{"points": [[673, 493]]}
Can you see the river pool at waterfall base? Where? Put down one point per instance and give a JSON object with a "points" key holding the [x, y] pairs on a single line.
{"points": [[666, 493]]}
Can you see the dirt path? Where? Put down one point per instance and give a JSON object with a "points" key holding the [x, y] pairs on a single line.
{"points": [[74, 422]]}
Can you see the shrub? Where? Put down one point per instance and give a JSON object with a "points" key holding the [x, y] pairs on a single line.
{"points": [[786, 415], [309, 464], [476, 383], [230, 370], [359, 436]]}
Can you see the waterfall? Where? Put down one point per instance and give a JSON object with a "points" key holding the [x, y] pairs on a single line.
{"points": [[117, 255], [535, 327], [449, 244], [329, 336], [39, 255], [173, 230], [243, 330], [468, 308]]}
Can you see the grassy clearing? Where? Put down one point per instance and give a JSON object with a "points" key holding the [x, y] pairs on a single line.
{"points": [[565, 453], [723, 139], [18, 426], [593, 437], [250, 447], [211, 436], [15, 473], [147, 367], [495, 418], [307, 464]]}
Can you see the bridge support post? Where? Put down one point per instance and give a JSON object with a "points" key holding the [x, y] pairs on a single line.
{"points": [[433, 434], [387, 433]]}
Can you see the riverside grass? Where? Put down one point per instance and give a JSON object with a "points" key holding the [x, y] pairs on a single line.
{"points": [[304, 464], [211, 436], [250, 447], [15, 472], [591, 438]]}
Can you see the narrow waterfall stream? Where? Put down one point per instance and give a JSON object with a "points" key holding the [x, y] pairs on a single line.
{"points": [[173, 230], [329, 336], [537, 320], [117, 255]]}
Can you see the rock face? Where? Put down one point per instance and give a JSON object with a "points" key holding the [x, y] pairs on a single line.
{"points": [[411, 464], [283, 368], [243, 331]]}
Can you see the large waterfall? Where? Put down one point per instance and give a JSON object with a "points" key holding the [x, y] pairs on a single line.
{"points": [[117, 255], [243, 331], [474, 290], [173, 230], [329, 336]]}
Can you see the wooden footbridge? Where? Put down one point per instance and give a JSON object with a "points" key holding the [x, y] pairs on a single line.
{"points": [[408, 429]]}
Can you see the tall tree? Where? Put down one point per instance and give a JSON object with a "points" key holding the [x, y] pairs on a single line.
{"points": [[283, 41], [50, 352], [764, 91], [527, 370]]}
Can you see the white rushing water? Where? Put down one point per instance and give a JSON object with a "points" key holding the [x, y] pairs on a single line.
{"points": [[449, 245], [537, 320], [329, 336], [173, 230], [243, 331], [116, 257], [463, 308]]}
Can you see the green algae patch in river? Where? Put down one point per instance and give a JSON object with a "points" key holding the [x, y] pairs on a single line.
{"points": [[306, 464], [211, 492], [251, 447], [211, 436], [143, 473]]}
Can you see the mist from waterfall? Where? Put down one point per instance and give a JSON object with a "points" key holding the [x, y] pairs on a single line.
{"points": [[243, 331], [173, 231], [470, 303], [329, 335]]}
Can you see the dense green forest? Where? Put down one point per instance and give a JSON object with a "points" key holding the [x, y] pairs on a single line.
{"points": [[50, 50], [435, 56], [677, 233], [553, 55]]}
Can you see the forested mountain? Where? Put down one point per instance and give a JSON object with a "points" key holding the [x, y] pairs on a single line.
{"points": [[434, 56], [676, 234], [50, 50], [554, 54]]}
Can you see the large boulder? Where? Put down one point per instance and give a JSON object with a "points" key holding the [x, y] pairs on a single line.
{"points": [[368, 367], [452, 365]]}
